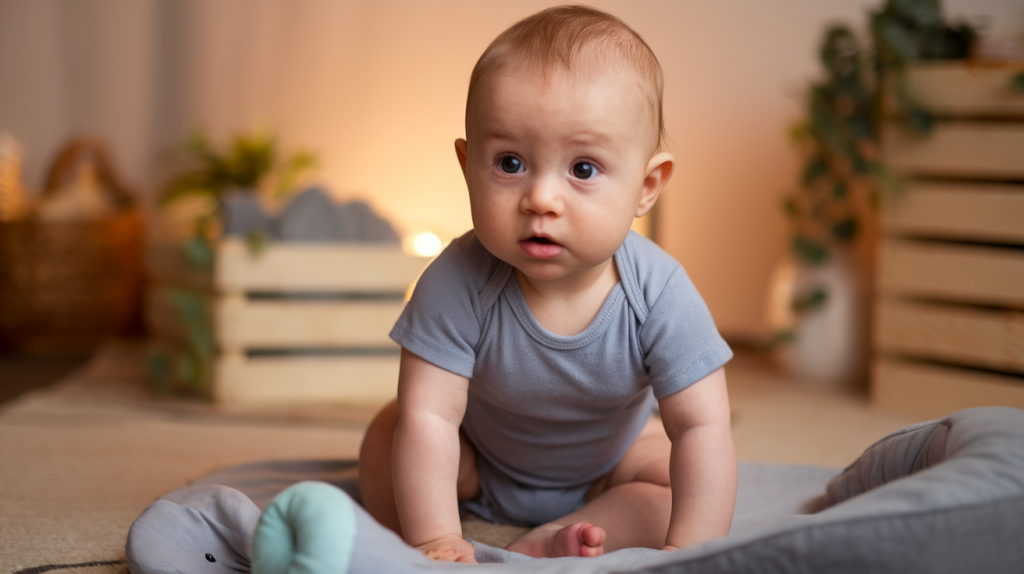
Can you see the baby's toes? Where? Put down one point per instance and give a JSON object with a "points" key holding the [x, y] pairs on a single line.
{"points": [[592, 535], [582, 539]]}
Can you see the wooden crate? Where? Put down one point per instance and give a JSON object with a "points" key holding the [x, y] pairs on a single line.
{"points": [[949, 316], [292, 324]]}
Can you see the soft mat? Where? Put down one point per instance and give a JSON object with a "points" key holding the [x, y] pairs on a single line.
{"points": [[942, 496]]}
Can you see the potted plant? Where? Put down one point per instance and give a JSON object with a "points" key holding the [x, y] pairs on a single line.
{"points": [[817, 309], [250, 163]]}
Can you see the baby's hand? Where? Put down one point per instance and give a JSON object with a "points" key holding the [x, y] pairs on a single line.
{"points": [[449, 549]]}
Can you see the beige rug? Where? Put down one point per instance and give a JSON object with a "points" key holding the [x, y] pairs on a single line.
{"points": [[82, 460]]}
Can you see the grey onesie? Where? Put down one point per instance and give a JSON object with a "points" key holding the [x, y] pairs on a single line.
{"points": [[549, 414]]}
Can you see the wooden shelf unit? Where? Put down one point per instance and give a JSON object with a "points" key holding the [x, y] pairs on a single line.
{"points": [[296, 324], [949, 313]]}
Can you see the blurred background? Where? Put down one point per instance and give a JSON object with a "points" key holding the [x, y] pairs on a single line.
{"points": [[376, 90]]}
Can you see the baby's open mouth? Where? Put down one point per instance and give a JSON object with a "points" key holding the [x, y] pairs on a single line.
{"points": [[541, 247]]}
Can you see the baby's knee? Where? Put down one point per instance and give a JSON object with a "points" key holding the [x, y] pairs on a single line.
{"points": [[648, 492], [468, 484], [381, 431]]}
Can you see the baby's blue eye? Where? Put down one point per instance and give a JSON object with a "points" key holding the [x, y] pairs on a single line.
{"points": [[584, 170], [509, 164]]}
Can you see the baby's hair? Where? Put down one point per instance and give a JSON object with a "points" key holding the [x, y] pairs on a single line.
{"points": [[576, 38]]}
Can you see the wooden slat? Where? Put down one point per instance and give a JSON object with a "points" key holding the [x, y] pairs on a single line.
{"points": [[957, 149], [364, 381], [282, 324], [964, 211], [936, 391], [964, 335], [316, 267], [960, 273], [964, 89]]}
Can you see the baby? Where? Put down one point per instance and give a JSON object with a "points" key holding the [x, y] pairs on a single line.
{"points": [[532, 344]]}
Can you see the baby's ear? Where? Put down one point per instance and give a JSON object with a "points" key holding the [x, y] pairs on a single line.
{"points": [[659, 170], [460, 150]]}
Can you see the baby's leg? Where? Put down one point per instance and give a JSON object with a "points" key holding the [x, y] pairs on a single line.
{"points": [[375, 482], [630, 509]]}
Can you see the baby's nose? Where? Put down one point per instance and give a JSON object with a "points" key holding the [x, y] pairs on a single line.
{"points": [[543, 197]]}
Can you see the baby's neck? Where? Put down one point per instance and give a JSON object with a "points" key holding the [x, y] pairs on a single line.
{"points": [[569, 305]]}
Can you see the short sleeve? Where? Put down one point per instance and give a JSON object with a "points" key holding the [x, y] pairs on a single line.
{"points": [[680, 341], [441, 322]]}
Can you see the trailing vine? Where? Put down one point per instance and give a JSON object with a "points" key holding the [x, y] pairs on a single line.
{"points": [[843, 176]]}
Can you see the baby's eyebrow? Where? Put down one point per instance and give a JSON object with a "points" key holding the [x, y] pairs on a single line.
{"points": [[591, 139], [499, 132], [497, 136]]}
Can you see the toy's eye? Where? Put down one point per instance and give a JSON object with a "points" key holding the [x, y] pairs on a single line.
{"points": [[509, 164], [584, 170], [210, 558]]}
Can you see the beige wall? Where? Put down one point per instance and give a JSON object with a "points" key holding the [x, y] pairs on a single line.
{"points": [[378, 88]]}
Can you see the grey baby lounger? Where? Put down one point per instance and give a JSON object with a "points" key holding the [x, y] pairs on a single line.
{"points": [[942, 496]]}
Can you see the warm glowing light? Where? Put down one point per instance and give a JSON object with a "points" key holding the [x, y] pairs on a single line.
{"points": [[424, 244]]}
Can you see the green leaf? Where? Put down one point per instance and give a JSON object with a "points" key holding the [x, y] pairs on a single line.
{"points": [[809, 251], [791, 207], [160, 373], [248, 161], [1017, 82], [947, 42], [845, 230], [198, 252], [920, 120], [897, 40], [778, 338], [184, 188], [296, 165], [256, 241], [814, 299], [917, 13], [840, 53], [815, 169]]}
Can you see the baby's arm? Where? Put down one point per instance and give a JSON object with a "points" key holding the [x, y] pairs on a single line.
{"points": [[703, 463], [431, 404]]}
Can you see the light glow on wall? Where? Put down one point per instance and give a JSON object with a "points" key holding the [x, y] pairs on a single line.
{"points": [[425, 244]]}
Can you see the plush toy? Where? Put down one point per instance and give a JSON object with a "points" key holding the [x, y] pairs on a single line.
{"points": [[204, 529]]}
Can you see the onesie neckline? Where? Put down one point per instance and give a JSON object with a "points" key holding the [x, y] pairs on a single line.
{"points": [[514, 293]]}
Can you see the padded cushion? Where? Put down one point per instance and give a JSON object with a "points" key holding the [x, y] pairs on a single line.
{"points": [[943, 496]]}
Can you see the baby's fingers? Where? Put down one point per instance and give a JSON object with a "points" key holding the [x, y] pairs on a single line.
{"points": [[449, 550]]}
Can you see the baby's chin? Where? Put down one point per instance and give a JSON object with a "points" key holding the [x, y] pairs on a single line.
{"points": [[552, 270]]}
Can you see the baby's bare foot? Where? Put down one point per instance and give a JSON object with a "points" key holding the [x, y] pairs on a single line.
{"points": [[578, 539]]}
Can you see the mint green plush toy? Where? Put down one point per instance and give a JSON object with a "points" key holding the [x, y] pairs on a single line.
{"points": [[310, 528]]}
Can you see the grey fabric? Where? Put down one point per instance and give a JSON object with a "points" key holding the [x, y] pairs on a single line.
{"points": [[261, 481], [243, 214], [944, 496], [549, 414], [895, 456], [368, 225], [311, 216], [380, 550]]}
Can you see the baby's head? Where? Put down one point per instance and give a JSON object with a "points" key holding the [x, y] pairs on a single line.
{"points": [[581, 42], [563, 132]]}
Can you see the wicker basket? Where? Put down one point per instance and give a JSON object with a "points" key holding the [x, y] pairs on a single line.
{"points": [[66, 286]]}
